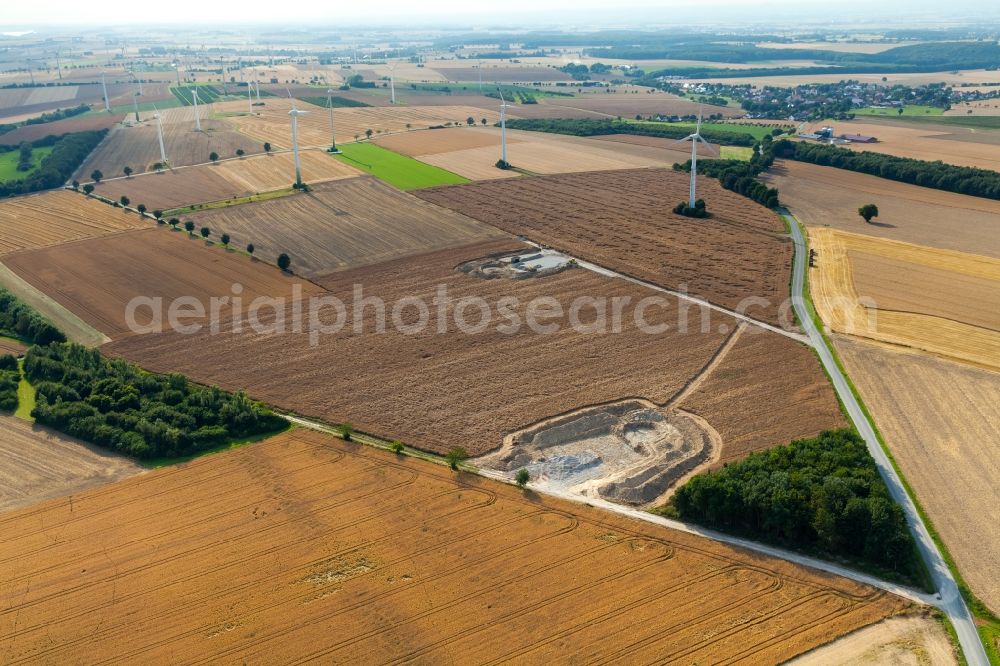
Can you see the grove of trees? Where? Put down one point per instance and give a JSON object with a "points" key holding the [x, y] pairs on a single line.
{"points": [[17, 320], [68, 152]]}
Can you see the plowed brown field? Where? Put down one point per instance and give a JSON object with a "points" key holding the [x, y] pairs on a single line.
{"points": [[42, 130], [51, 218], [800, 402], [95, 279], [312, 549], [37, 464], [612, 106], [345, 223], [229, 179], [826, 196], [940, 420], [622, 220], [438, 391], [273, 124]]}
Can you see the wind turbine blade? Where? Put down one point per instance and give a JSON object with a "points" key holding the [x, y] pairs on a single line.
{"points": [[500, 92], [698, 127], [678, 142]]}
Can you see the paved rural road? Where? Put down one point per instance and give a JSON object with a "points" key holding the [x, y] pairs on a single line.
{"points": [[950, 601]]}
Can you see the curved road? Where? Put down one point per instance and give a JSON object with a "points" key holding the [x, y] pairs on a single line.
{"points": [[949, 600]]}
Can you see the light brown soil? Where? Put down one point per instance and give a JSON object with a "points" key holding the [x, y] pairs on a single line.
{"points": [[37, 464], [225, 180], [826, 196], [341, 224], [258, 552], [40, 131], [543, 153], [273, 124], [138, 146], [924, 143], [504, 73], [51, 218], [940, 421], [599, 105], [8, 346], [622, 220], [96, 279], [433, 142], [902, 641], [437, 391], [799, 400]]}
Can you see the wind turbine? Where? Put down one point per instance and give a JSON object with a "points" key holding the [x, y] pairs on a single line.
{"points": [[135, 104], [333, 135], [295, 113], [159, 135], [392, 83], [503, 129], [694, 139], [249, 92], [197, 120]]}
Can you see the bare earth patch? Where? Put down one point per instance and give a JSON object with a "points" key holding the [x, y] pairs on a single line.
{"points": [[902, 641]]}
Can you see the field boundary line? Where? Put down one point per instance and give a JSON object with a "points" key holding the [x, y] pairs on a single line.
{"points": [[75, 328], [607, 272]]}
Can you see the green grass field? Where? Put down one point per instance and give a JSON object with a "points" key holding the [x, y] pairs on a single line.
{"points": [[9, 160], [25, 399], [338, 102], [397, 170], [742, 153], [914, 110]]}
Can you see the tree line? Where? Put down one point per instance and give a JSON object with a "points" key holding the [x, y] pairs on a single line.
{"points": [[17, 320], [117, 405], [68, 152], [822, 495], [10, 377], [961, 179], [600, 127], [51, 116], [741, 176]]}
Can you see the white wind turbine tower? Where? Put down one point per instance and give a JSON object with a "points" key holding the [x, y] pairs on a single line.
{"points": [[503, 129], [197, 119], [333, 135], [295, 113], [249, 92], [392, 83], [694, 139], [159, 135]]}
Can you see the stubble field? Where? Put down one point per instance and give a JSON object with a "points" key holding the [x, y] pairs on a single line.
{"points": [[38, 465], [344, 223], [940, 421], [78, 124], [938, 301], [626, 105], [225, 180], [51, 218], [273, 124], [258, 552], [622, 220], [826, 196], [95, 279]]}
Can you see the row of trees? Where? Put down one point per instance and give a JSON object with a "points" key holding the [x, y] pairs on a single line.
{"points": [[117, 405], [51, 116], [68, 152], [964, 180], [600, 127], [821, 495], [19, 321], [10, 377]]}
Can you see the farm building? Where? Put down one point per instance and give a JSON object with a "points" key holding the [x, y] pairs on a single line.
{"points": [[859, 138]]}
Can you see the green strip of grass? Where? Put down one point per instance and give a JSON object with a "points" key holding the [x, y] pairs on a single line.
{"points": [[397, 170], [25, 399], [741, 153], [10, 159], [915, 110]]}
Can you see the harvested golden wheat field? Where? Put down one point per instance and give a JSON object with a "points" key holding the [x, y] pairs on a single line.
{"points": [[228, 179], [940, 420], [938, 301], [305, 548], [37, 464], [273, 124], [345, 223], [827, 196], [51, 218]]}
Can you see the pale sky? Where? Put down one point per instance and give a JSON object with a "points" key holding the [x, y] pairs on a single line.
{"points": [[18, 13]]}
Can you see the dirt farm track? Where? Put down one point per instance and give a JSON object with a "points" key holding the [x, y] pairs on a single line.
{"points": [[312, 549]]}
